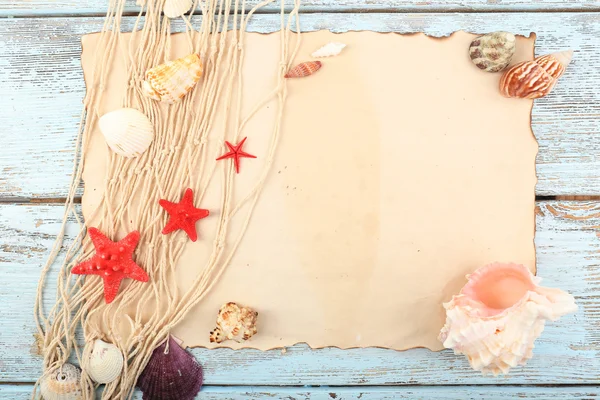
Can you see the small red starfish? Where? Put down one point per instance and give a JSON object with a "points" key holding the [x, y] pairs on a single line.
{"points": [[113, 261], [183, 215], [236, 153]]}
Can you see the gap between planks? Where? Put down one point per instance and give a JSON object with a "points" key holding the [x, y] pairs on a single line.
{"points": [[77, 200], [313, 10]]}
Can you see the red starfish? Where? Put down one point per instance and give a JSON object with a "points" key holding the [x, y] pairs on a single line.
{"points": [[236, 153], [113, 261], [183, 215]]}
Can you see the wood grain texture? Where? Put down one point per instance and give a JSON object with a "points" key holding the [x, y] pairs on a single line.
{"points": [[42, 85], [567, 353], [98, 7], [23, 392]]}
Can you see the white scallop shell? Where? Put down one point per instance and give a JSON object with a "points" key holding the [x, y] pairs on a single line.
{"points": [[62, 384], [176, 8], [105, 363], [127, 131], [329, 50]]}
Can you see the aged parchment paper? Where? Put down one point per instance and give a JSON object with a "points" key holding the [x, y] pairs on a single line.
{"points": [[400, 169]]}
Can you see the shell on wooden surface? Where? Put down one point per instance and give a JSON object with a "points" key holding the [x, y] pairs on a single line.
{"points": [[498, 314], [127, 131], [234, 323], [493, 52], [304, 69], [105, 363], [62, 384], [535, 79], [329, 50], [171, 81], [171, 374], [176, 8]]}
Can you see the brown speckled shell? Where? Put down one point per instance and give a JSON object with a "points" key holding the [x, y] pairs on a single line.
{"points": [[492, 52], [234, 322], [534, 79]]}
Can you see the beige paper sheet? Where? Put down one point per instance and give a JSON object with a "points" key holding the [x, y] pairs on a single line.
{"points": [[400, 169]]}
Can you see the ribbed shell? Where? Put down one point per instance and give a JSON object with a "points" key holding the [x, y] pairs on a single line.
{"points": [[234, 323], [62, 384], [535, 79], [172, 376], [329, 50], [171, 81], [304, 69], [493, 52], [127, 131], [493, 338], [176, 8], [105, 363]]}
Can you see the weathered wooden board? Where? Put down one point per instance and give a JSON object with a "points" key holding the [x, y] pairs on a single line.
{"points": [[42, 86], [23, 392], [568, 352], [96, 7]]}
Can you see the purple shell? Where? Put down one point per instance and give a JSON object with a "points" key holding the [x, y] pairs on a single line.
{"points": [[173, 376]]}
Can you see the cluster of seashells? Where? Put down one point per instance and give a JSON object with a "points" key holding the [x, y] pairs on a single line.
{"points": [[493, 52], [104, 365], [498, 315], [129, 132], [308, 68]]}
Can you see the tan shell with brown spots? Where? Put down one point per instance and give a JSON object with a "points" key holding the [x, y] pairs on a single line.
{"points": [[492, 52], [234, 323]]}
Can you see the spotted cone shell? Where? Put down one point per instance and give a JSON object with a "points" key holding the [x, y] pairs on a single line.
{"points": [[171, 81], [535, 79], [105, 363], [234, 322], [498, 315], [304, 69], [62, 384], [492, 52]]}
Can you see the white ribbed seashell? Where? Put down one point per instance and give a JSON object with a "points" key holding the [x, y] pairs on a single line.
{"points": [[176, 8], [127, 131], [62, 384], [498, 314], [329, 50], [105, 363]]}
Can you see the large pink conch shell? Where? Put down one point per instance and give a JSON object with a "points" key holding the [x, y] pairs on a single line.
{"points": [[498, 314]]}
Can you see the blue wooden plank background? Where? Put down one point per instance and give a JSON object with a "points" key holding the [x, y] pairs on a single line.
{"points": [[42, 87]]}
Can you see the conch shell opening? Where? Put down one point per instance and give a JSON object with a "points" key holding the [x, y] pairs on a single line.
{"points": [[498, 289]]}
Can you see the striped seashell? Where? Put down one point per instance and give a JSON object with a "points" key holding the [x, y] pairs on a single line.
{"points": [[105, 363], [171, 81], [492, 52], [127, 131], [176, 8], [304, 69], [535, 79], [62, 384], [329, 50]]}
